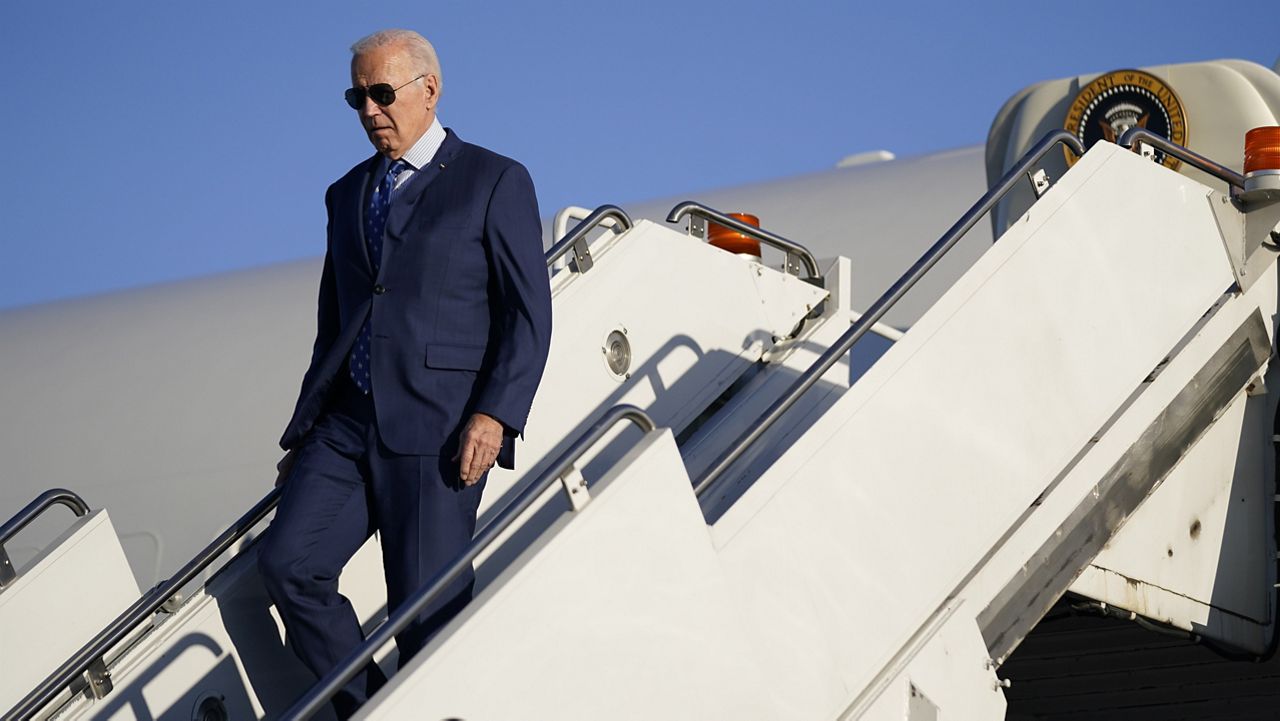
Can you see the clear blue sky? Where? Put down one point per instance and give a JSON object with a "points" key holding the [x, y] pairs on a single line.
{"points": [[146, 142]]}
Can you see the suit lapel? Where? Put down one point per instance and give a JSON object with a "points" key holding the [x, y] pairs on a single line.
{"points": [[361, 199], [402, 207]]}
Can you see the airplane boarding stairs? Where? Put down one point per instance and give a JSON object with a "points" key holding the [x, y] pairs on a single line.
{"points": [[623, 334], [877, 553]]}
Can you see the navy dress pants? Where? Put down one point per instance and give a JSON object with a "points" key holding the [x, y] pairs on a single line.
{"points": [[345, 485]]}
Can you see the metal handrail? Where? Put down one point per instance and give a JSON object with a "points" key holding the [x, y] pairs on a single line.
{"points": [[135, 615], [576, 239], [42, 503], [877, 310], [575, 214], [790, 247], [21, 519], [1133, 136], [325, 688]]}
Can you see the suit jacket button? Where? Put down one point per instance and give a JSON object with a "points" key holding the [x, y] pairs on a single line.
{"points": [[378, 289]]}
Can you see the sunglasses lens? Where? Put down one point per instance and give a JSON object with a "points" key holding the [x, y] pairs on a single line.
{"points": [[355, 97], [382, 94]]}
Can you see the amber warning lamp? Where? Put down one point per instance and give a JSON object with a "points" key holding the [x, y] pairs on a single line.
{"points": [[733, 241], [1262, 159]]}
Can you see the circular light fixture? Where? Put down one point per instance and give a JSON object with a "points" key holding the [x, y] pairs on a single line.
{"points": [[617, 353]]}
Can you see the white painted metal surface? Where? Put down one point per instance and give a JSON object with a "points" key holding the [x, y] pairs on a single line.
{"points": [[1197, 554], [617, 612], [694, 317], [950, 677], [69, 592], [957, 429]]}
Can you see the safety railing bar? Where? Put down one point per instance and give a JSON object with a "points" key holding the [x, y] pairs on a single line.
{"points": [[690, 207], [882, 305], [345, 670], [580, 231], [1133, 136], [42, 503], [884, 330], [136, 614], [560, 224], [23, 518]]}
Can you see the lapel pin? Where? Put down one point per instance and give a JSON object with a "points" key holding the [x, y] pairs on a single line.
{"points": [[442, 166]]}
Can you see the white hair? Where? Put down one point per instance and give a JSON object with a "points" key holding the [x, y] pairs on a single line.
{"points": [[418, 48]]}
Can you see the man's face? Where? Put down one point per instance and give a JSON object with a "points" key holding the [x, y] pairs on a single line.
{"points": [[395, 128]]}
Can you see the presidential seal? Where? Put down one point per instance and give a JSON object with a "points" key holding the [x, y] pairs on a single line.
{"points": [[1123, 99]]}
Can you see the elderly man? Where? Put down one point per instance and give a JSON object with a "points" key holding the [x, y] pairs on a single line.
{"points": [[434, 325]]}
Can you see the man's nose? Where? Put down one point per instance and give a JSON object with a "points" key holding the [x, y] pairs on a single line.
{"points": [[370, 108]]}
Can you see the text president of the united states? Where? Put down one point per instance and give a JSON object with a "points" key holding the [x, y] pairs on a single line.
{"points": [[434, 323]]}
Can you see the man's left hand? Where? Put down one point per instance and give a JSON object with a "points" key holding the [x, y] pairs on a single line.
{"points": [[478, 449]]}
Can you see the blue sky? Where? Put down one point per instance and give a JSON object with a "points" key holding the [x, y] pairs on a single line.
{"points": [[148, 142]]}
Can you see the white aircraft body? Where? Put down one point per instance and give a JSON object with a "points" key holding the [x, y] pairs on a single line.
{"points": [[1040, 485]]}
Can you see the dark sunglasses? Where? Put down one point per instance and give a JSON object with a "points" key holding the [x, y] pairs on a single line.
{"points": [[382, 94]]}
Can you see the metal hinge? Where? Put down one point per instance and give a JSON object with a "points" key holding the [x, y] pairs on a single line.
{"points": [[1039, 181], [99, 679], [582, 256], [575, 487], [698, 226]]}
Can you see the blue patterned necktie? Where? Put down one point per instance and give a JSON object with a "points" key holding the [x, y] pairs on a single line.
{"points": [[375, 226]]}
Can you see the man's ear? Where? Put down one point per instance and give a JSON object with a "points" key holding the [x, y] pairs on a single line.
{"points": [[432, 86]]}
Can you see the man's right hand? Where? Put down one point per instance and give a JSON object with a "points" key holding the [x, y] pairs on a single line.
{"points": [[284, 466]]}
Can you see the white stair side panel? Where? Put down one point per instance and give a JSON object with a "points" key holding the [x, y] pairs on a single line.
{"points": [[1203, 537], [66, 595], [618, 612], [695, 316], [1080, 483], [1177, 538], [949, 678], [1201, 541], [855, 535], [784, 364]]}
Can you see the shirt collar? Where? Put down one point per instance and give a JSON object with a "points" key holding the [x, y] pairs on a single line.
{"points": [[422, 151]]}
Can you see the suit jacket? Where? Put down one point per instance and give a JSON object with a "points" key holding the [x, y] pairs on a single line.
{"points": [[460, 308]]}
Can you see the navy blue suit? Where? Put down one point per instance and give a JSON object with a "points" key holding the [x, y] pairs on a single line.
{"points": [[460, 321], [463, 321]]}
